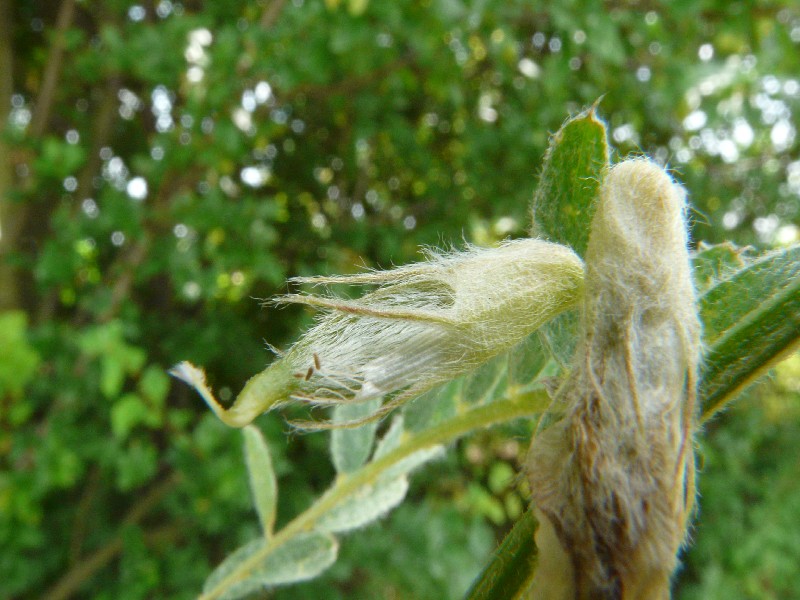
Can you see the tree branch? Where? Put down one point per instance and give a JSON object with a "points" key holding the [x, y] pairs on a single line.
{"points": [[14, 217], [52, 71], [75, 578], [271, 13], [9, 292], [85, 568], [353, 84], [82, 514]]}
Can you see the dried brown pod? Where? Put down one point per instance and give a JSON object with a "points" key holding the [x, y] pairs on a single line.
{"points": [[613, 481]]}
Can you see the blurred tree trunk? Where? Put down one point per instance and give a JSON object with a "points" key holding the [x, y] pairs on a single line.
{"points": [[15, 224], [9, 217]]}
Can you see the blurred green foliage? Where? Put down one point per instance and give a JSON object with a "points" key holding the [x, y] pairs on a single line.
{"points": [[164, 163]]}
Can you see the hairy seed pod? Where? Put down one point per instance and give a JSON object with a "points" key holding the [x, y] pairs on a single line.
{"points": [[425, 324], [614, 479]]}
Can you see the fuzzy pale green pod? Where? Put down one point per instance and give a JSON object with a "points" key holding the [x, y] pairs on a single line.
{"points": [[423, 325], [614, 479]]}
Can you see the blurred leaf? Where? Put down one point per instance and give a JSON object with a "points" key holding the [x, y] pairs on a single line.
{"points": [[604, 38], [128, 412], [303, 557], [18, 359], [112, 376], [501, 476], [117, 358], [135, 464], [263, 484], [59, 159], [357, 7], [350, 447], [154, 385], [751, 320]]}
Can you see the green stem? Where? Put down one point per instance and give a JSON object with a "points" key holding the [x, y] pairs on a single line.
{"points": [[523, 405], [510, 571]]}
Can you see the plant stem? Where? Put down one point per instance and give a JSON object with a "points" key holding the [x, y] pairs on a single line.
{"points": [[523, 405]]}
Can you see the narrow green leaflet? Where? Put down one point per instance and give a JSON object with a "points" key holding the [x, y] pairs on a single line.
{"points": [[411, 462], [301, 558], [350, 447], [750, 321], [508, 575], [238, 587], [263, 485], [563, 204], [366, 505], [391, 439], [374, 500], [510, 374]]}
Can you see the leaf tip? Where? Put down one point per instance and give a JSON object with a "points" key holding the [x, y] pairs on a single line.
{"points": [[196, 377]]}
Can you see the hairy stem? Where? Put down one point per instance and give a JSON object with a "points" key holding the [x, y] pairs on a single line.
{"points": [[501, 411]]}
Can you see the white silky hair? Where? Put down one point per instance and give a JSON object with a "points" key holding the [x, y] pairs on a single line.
{"points": [[432, 321], [615, 477], [423, 325]]}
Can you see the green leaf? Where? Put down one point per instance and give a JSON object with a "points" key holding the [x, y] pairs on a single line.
{"points": [[712, 264], [112, 376], [373, 500], [366, 505], [560, 336], [58, 158], [137, 464], [357, 7], [515, 372], [263, 484], [301, 558], [154, 385], [18, 359], [574, 164], [751, 320], [411, 462], [391, 439], [117, 357], [564, 203], [126, 413], [510, 570], [350, 447]]}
